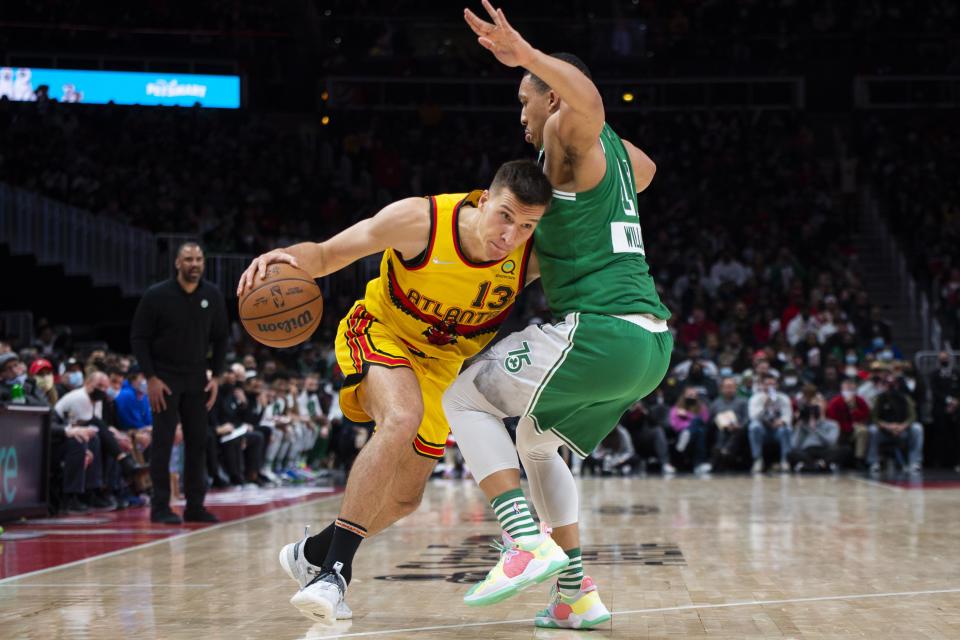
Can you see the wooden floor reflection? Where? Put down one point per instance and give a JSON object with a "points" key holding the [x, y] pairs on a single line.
{"points": [[766, 557]]}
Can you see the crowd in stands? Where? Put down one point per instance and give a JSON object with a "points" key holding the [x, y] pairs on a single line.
{"points": [[275, 422]]}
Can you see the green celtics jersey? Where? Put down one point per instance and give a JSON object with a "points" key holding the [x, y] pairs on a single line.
{"points": [[590, 248]]}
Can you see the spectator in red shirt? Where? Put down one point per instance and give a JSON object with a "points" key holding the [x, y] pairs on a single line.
{"points": [[852, 413], [697, 328]]}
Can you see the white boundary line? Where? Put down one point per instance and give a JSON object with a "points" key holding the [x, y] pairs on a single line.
{"points": [[3, 581], [68, 585], [689, 607]]}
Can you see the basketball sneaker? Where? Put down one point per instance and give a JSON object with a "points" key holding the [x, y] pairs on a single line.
{"points": [[581, 611], [302, 571], [320, 598], [521, 565]]}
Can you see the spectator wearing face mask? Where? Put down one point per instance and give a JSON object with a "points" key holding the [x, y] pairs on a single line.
{"points": [[883, 351], [41, 372], [944, 447], [852, 413], [689, 420], [71, 378], [771, 414], [13, 373], [115, 379], [872, 387], [136, 421], [894, 424]]}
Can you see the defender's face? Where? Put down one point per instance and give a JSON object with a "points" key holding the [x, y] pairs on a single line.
{"points": [[506, 223], [534, 111]]}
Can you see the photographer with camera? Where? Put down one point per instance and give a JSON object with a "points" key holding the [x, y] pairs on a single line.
{"points": [[814, 443]]}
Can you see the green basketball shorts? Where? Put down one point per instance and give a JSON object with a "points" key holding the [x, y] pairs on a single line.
{"points": [[575, 378]]}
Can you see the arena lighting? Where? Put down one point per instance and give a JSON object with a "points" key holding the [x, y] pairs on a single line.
{"points": [[324, 96], [325, 120], [628, 97]]}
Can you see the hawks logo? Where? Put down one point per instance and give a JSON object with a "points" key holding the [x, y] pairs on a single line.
{"points": [[444, 332]]}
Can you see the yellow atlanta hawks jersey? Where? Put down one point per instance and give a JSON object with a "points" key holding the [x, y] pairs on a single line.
{"points": [[440, 303]]}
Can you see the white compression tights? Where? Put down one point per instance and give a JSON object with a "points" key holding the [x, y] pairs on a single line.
{"points": [[476, 423]]}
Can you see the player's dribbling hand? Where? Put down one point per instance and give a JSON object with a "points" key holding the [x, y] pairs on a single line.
{"points": [[503, 40], [258, 268]]}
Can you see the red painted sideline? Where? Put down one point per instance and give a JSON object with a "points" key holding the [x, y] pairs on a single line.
{"points": [[927, 484], [95, 534]]}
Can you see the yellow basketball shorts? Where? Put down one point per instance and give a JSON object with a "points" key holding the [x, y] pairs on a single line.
{"points": [[363, 341]]}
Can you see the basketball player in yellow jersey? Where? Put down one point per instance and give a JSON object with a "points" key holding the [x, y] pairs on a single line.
{"points": [[451, 269]]}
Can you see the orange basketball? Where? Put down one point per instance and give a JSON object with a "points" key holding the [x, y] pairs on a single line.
{"points": [[284, 308]]}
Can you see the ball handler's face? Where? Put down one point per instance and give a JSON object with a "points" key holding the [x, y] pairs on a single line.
{"points": [[506, 223], [189, 264]]}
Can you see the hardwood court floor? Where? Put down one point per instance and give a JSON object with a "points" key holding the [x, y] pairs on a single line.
{"points": [[737, 557]]}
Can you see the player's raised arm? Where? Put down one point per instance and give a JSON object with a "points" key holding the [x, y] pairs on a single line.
{"points": [[403, 225], [581, 115]]}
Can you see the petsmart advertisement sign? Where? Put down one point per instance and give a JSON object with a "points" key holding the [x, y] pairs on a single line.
{"points": [[122, 87]]}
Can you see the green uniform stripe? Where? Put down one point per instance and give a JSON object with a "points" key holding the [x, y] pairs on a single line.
{"points": [[571, 578]]}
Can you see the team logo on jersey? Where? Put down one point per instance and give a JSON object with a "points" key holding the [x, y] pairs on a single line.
{"points": [[444, 332], [517, 358], [509, 266]]}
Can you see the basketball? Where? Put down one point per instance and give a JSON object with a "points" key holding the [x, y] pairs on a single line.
{"points": [[284, 308]]}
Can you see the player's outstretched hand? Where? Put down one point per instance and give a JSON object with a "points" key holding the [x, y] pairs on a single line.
{"points": [[258, 268], [499, 37]]}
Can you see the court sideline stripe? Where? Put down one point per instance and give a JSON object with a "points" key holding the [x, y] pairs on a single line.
{"points": [[688, 607], [164, 540], [70, 585]]}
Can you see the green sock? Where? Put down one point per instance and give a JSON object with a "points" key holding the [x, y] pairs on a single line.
{"points": [[513, 514], [570, 578]]}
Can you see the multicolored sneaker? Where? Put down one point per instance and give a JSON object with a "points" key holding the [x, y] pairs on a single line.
{"points": [[521, 565], [581, 611]]}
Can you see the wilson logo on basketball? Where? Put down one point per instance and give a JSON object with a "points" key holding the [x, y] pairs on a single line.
{"points": [[288, 325]]}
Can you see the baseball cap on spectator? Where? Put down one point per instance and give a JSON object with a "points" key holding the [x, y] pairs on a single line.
{"points": [[7, 357], [760, 354], [70, 363], [250, 373], [40, 364]]}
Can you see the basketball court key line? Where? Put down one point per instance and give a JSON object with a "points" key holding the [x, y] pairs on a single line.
{"points": [[753, 603], [163, 540]]}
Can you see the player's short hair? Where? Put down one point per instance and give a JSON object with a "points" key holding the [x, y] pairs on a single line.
{"points": [[543, 87], [526, 180]]}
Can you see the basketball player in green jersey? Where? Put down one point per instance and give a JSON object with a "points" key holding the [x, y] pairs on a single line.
{"points": [[570, 382]]}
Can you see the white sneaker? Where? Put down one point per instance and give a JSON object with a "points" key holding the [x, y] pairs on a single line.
{"points": [[302, 572], [703, 469], [321, 598], [668, 469], [757, 466], [683, 440]]}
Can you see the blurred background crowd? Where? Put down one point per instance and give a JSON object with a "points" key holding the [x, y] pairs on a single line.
{"points": [[755, 223]]}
